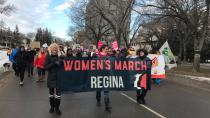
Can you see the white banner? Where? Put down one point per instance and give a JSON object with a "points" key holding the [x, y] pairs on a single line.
{"points": [[158, 66]]}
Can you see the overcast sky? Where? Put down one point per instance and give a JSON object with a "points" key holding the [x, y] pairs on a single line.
{"points": [[32, 14]]}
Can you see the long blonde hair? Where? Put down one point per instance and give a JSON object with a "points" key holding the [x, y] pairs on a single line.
{"points": [[53, 45]]}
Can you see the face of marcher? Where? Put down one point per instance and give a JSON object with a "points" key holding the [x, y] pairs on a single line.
{"points": [[54, 51], [22, 49], [42, 50], [105, 50], [70, 52], [141, 54], [96, 50]]}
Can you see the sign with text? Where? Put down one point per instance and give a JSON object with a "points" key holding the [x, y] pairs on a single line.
{"points": [[89, 74]]}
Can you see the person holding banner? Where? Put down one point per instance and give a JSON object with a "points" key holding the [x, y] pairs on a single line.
{"points": [[69, 52], [103, 52], [51, 65], [141, 93]]}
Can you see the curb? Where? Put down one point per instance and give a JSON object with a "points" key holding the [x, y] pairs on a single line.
{"points": [[196, 82]]}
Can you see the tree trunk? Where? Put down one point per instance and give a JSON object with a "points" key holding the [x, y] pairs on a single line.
{"points": [[196, 64], [184, 52], [180, 54]]}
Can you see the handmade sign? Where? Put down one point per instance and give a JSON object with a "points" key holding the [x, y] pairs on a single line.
{"points": [[90, 74], [158, 66]]}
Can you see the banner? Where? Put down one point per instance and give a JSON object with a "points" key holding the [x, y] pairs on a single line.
{"points": [[158, 66], [90, 74], [168, 55]]}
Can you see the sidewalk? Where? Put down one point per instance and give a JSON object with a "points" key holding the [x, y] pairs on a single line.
{"points": [[190, 80]]}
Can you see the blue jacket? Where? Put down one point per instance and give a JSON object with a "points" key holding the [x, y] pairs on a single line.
{"points": [[14, 52]]}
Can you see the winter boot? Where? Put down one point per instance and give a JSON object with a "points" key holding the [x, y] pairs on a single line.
{"points": [[143, 100], [138, 98], [52, 104], [98, 98], [57, 105]]}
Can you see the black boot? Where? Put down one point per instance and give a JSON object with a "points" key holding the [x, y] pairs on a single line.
{"points": [[144, 92], [139, 99], [57, 105], [52, 104], [143, 100], [98, 98]]}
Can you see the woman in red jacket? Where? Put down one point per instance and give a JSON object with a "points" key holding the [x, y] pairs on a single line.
{"points": [[39, 64]]}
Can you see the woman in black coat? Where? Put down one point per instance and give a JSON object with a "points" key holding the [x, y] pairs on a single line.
{"points": [[51, 65], [141, 93], [20, 59]]}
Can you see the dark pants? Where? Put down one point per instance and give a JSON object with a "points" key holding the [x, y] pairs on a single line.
{"points": [[21, 72], [41, 72], [106, 97], [30, 68], [141, 92], [54, 98], [14, 66], [55, 92]]}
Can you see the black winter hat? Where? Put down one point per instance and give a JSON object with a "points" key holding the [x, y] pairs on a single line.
{"points": [[142, 50]]}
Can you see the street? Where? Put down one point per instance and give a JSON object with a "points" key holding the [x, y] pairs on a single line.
{"points": [[169, 100]]}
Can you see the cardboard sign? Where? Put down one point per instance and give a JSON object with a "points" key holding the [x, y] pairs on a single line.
{"points": [[35, 44]]}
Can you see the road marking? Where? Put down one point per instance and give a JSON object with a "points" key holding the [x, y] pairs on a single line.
{"points": [[154, 112]]}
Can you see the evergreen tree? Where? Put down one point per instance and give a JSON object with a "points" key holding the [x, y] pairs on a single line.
{"points": [[17, 37], [44, 36]]}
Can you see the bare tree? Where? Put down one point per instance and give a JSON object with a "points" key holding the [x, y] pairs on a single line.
{"points": [[6, 9], [87, 20], [118, 15], [193, 13]]}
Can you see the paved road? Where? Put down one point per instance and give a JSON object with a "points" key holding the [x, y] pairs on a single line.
{"points": [[168, 100]]}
